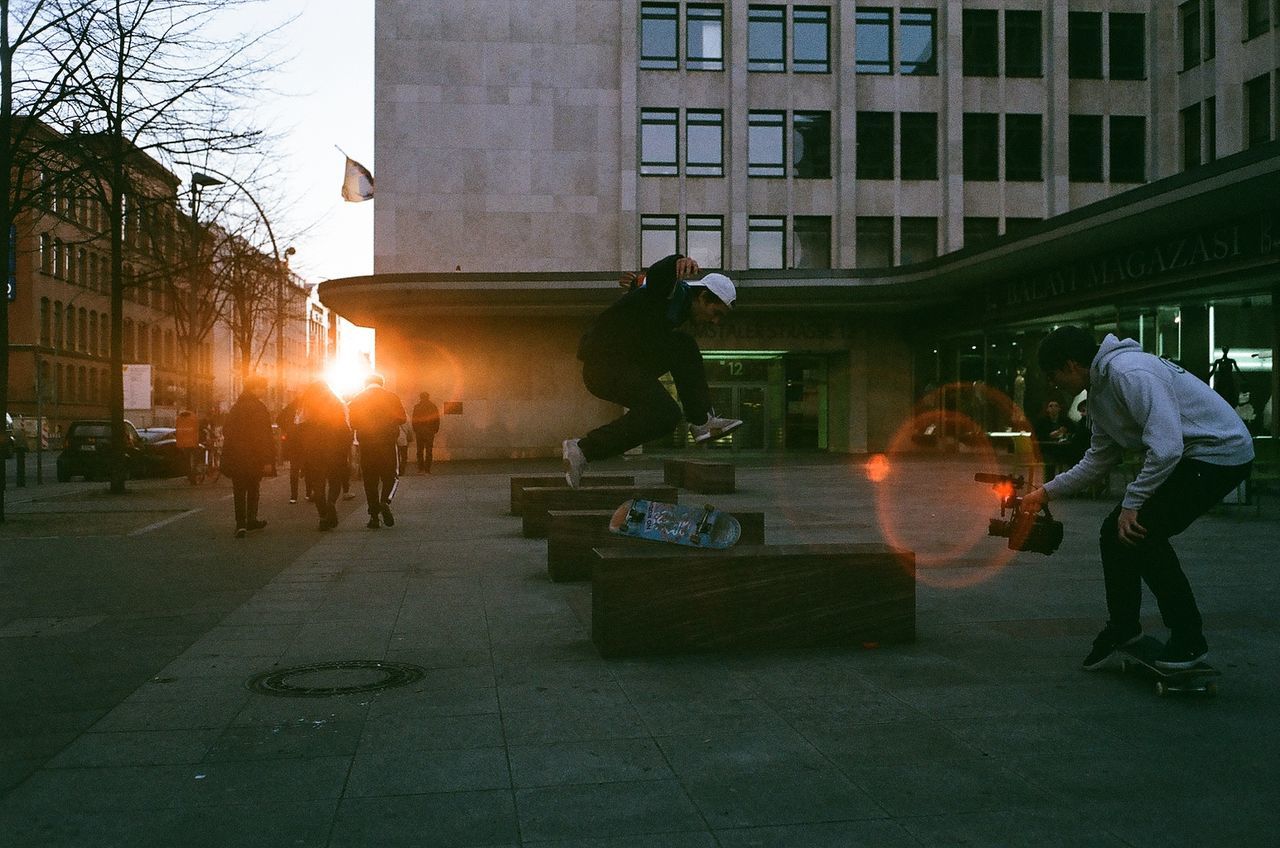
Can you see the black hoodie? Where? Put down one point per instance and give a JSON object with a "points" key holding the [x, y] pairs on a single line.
{"points": [[639, 325]]}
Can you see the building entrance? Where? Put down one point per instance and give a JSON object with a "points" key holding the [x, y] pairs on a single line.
{"points": [[747, 402]]}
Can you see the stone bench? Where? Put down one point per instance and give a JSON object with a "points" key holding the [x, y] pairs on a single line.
{"points": [[554, 480], [536, 501], [699, 475], [662, 600], [572, 535]]}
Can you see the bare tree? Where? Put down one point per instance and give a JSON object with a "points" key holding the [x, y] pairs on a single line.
{"points": [[37, 58], [152, 84]]}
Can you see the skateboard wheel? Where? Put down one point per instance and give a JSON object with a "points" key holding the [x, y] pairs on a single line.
{"points": [[1161, 688]]}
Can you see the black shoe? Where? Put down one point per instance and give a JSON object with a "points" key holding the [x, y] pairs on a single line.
{"points": [[373, 523], [1183, 652], [256, 524], [387, 517], [241, 532], [1104, 647]]}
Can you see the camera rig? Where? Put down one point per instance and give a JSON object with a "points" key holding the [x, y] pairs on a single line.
{"points": [[1026, 531]]}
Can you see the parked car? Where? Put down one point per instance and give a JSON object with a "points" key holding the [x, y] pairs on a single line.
{"points": [[161, 456], [86, 450]]}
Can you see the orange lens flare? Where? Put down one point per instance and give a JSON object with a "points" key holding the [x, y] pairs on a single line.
{"points": [[878, 468]]}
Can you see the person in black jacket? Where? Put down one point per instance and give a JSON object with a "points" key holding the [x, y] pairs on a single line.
{"points": [[376, 415], [325, 443], [632, 344], [247, 448]]}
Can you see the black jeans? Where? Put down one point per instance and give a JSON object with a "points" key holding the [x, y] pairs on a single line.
{"points": [[426, 444], [245, 492], [1189, 492], [379, 463], [651, 411]]}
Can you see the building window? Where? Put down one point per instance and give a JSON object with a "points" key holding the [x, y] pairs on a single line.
{"points": [[1023, 44], [1022, 148], [873, 42], [1084, 148], [659, 25], [1257, 17], [765, 242], [658, 142], [919, 146], [82, 328], [704, 143], [811, 243], [875, 242], [1210, 27], [1257, 102], [919, 240], [704, 50], [1211, 129], [981, 146], [1084, 45], [127, 345], [57, 257], [811, 145], [811, 40], [44, 321], [981, 56], [1128, 48], [874, 156], [46, 253], [1189, 14], [1128, 148], [1190, 120], [766, 144], [979, 231], [704, 240], [657, 238], [917, 39], [766, 39]]}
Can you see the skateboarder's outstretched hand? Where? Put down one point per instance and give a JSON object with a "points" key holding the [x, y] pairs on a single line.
{"points": [[686, 268]]}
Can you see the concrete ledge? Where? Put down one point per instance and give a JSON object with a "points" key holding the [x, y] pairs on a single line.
{"points": [[572, 534], [676, 600], [700, 475], [536, 501], [554, 480]]}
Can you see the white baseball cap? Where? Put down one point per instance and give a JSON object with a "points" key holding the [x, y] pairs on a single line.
{"points": [[721, 286]]}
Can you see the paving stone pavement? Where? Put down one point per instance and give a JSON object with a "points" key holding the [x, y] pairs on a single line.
{"points": [[982, 732]]}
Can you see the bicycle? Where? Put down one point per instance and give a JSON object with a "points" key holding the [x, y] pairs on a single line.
{"points": [[203, 465]]}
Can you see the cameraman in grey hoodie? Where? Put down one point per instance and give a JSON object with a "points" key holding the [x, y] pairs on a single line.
{"points": [[1195, 450]]}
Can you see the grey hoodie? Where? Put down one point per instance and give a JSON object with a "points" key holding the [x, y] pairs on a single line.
{"points": [[1140, 402]]}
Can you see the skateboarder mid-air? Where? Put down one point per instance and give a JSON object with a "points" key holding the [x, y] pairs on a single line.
{"points": [[1195, 449], [632, 344]]}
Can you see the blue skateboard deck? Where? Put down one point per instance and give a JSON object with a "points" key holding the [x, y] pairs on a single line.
{"points": [[695, 527]]}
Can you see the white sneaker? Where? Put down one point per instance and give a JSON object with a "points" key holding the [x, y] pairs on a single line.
{"points": [[714, 428], [575, 463]]}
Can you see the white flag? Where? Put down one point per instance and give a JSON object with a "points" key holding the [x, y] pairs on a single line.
{"points": [[357, 185]]}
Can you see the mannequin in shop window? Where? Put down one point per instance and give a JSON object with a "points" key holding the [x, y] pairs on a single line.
{"points": [[1224, 376]]}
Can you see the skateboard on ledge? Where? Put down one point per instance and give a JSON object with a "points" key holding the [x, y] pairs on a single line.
{"points": [[676, 524]]}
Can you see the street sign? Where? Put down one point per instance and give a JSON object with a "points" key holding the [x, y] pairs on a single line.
{"points": [[137, 386]]}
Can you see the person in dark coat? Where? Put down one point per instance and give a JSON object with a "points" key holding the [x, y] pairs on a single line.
{"points": [[426, 423], [289, 420], [376, 416], [325, 442], [247, 449], [632, 344]]}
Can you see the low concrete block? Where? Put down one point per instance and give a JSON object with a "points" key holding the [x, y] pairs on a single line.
{"points": [[554, 480], [700, 475], [536, 501], [572, 535], [675, 600]]}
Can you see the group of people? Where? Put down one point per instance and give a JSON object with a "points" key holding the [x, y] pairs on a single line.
{"points": [[318, 430]]}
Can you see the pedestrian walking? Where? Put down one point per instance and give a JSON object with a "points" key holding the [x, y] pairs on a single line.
{"points": [[376, 415], [247, 449], [426, 424], [1195, 450], [326, 443], [403, 438], [291, 449]]}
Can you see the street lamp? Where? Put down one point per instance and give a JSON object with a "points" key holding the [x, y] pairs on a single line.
{"points": [[199, 181]]}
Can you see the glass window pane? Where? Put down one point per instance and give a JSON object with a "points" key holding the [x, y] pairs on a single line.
{"points": [[1084, 148], [705, 47], [1189, 14], [1023, 44], [1084, 45], [978, 231], [812, 36], [765, 242], [766, 147], [1128, 149], [705, 237], [811, 145], [658, 142], [658, 24], [704, 143], [1257, 97], [981, 146], [657, 238], [919, 146], [875, 242], [1128, 49], [917, 32], [1022, 148], [873, 44], [979, 52], [874, 155], [766, 38], [811, 247], [919, 240]]}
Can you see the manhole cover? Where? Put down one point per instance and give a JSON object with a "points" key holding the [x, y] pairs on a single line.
{"points": [[323, 680]]}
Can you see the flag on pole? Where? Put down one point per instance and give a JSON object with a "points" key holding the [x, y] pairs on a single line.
{"points": [[357, 184]]}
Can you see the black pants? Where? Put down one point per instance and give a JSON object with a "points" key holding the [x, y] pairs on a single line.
{"points": [[1189, 492], [379, 464], [245, 492], [324, 484], [426, 440], [651, 411]]}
